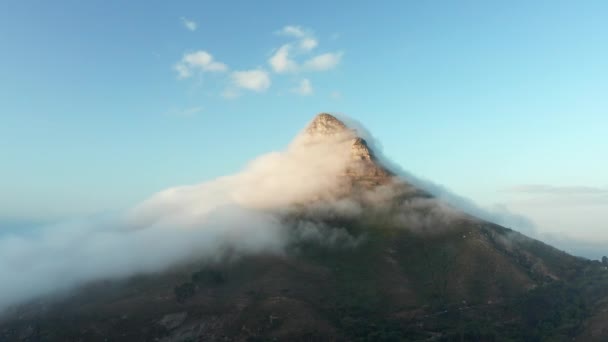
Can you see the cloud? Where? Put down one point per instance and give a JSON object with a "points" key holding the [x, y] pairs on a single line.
{"points": [[566, 219], [335, 95], [498, 214], [571, 217], [256, 80], [189, 24], [230, 216], [280, 62], [201, 61], [236, 215], [308, 44], [544, 189], [592, 249], [292, 31], [284, 58], [304, 89], [306, 38], [185, 112], [293, 57], [323, 62]]}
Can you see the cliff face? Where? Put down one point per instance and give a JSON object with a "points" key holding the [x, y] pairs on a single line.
{"points": [[325, 124], [363, 169]]}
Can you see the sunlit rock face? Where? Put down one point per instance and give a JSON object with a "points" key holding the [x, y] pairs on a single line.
{"points": [[365, 168], [326, 124], [362, 168]]}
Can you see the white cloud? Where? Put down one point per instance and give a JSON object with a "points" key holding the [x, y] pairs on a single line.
{"points": [[204, 60], [186, 112], [308, 44], [323, 62], [305, 88], [231, 216], [572, 217], [281, 62], [558, 190], [198, 61], [569, 217], [183, 71], [189, 24], [292, 31], [256, 80], [284, 58], [292, 57]]}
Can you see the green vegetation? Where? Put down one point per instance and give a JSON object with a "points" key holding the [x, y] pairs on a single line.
{"points": [[478, 283], [184, 291], [553, 312], [202, 278], [208, 277]]}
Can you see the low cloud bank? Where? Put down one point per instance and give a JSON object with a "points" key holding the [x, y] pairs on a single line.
{"points": [[237, 214], [499, 215]]}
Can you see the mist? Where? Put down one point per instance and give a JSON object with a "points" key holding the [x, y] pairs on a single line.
{"points": [[234, 215], [238, 214], [497, 214]]}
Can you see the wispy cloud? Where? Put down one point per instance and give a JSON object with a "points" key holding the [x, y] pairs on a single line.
{"points": [[234, 215], [281, 61], [564, 214], [543, 189], [323, 62], [185, 112], [285, 58], [201, 61], [189, 24], [293, 57], [308, 44], [304, 88], [256, 80], [293, 31]]}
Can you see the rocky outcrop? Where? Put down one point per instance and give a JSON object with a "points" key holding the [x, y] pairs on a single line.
{"points": [[325, 124], [174, 320], [364, 169]]}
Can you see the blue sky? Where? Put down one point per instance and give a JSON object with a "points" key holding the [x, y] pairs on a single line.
{"points": [[103, 103]]}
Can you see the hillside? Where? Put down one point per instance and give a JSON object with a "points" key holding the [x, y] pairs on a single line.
{"points": [[370, 258]]}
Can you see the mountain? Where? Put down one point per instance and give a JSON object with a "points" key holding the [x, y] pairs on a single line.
{"points": [[368, 256]]}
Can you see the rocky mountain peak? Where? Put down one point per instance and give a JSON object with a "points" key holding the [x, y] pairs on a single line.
{"points": [[326, 124], [364, 168], [361, 151]]}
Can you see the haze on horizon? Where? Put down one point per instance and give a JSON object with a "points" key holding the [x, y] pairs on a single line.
{"points": [[103, 104]]}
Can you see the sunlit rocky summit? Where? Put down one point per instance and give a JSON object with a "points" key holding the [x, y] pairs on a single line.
{"points": [[320, 242], [363, 166]]}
